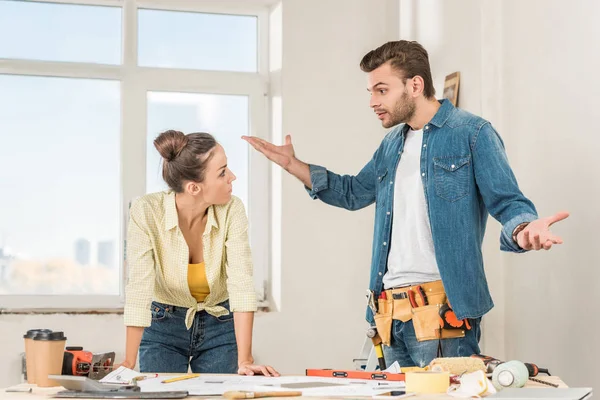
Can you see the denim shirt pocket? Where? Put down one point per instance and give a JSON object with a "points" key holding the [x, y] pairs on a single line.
{"points": [[452, 175]]}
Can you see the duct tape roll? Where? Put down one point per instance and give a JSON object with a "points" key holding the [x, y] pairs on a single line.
{"points": [[427, 382], [513, 374]]}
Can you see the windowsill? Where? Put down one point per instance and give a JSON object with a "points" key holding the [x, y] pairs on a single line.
{"points": [[263, 307]]}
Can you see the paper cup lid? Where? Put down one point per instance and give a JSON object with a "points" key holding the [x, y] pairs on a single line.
{"points": [[34, 332], [53, 336]]}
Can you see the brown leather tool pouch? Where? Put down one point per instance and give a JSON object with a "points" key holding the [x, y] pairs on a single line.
{"points": [[383, 320]]}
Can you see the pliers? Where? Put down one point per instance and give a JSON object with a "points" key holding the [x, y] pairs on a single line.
{"points": [[422, 295]]}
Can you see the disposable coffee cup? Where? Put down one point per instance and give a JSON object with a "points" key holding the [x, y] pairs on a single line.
{"points": [[49, 350], [29, 354]]}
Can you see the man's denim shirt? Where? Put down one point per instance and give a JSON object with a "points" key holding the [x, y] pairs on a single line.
{"points": [[465, 175]]}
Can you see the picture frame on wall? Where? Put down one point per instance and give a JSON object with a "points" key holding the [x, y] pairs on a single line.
{"points": [[451, 85]]}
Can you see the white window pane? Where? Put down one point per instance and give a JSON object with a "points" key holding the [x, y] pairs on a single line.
{"points": [[60, 32], [172, 39], [225, 117], [60, 185]]}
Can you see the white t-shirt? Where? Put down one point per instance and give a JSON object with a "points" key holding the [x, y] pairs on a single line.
{"points": [[411, 259]]}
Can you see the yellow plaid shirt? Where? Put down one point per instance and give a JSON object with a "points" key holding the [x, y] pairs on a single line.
{"points": [[158, 257]]}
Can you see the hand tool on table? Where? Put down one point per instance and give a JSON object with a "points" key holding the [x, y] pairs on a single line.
{"points": [[78, 362]]}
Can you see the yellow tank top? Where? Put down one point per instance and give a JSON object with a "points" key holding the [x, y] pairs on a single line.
{"points": [[197, 281]]}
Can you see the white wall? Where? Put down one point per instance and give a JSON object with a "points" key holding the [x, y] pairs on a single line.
{"points": [[552, 91], [528, 68], [325, 252]]}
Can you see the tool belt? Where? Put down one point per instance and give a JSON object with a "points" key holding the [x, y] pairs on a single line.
{"points": [[426, 305]]}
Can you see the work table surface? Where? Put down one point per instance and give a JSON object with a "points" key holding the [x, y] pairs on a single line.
{"points": [[46, 393]]}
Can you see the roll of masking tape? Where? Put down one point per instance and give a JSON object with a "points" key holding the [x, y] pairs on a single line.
{"points": [[427, 382], [513, 374]]}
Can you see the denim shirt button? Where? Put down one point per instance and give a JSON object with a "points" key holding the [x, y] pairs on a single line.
{"points": [[385, 243], [388, 213], [380, 274], [423, 174], [426, 127]]}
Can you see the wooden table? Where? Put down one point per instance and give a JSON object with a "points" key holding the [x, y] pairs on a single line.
{"points": [[46, 393]]}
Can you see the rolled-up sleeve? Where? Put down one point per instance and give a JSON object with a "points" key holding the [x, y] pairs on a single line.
{"points": [[140, 264], [318, 179], [240, 279]]}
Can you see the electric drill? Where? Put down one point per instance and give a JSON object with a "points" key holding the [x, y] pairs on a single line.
{"points": [[78, 362], [491, 364]]}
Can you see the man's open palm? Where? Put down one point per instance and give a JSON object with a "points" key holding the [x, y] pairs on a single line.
{"points": [[280, 155], [537, 235]]}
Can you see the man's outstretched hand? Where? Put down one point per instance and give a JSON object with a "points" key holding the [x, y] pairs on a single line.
{"points": [[537, 235], [280, 155], [284, 156]]}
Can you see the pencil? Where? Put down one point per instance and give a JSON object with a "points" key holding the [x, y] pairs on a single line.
{"points": [[181, 378]]}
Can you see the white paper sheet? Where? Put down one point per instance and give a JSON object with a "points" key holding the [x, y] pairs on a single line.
{"points": [[309, 386], [394, 368], [121, 375]]}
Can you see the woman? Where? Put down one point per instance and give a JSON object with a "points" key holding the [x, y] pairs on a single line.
{"points": [[190, 299]]}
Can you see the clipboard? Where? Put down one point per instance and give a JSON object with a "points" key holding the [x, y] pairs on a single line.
{"points": [[352, 374]]}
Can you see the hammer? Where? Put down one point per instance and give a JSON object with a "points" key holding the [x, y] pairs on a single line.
{"points": [[374, 336]]}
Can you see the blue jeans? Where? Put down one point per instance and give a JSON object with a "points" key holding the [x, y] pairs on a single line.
{"points": [[409, 352], [209, 346]]}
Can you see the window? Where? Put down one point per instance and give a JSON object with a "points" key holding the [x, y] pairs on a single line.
{"points": [[60, 32], [201, 41], [59, 215], [84, 90]]}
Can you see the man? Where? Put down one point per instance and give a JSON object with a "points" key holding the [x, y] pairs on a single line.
{"points": [[435, 177]]}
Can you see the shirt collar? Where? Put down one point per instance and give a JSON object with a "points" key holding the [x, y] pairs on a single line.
{"points": [[443, 113], [172, 219]]}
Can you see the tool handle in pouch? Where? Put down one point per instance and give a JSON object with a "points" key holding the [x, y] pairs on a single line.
{"points": [[448, 319]]}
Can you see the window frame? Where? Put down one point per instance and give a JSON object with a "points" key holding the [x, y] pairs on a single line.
{"points": [[136, 82]]}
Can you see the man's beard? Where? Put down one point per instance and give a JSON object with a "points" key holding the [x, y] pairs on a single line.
{"points": [[403, 111]]}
